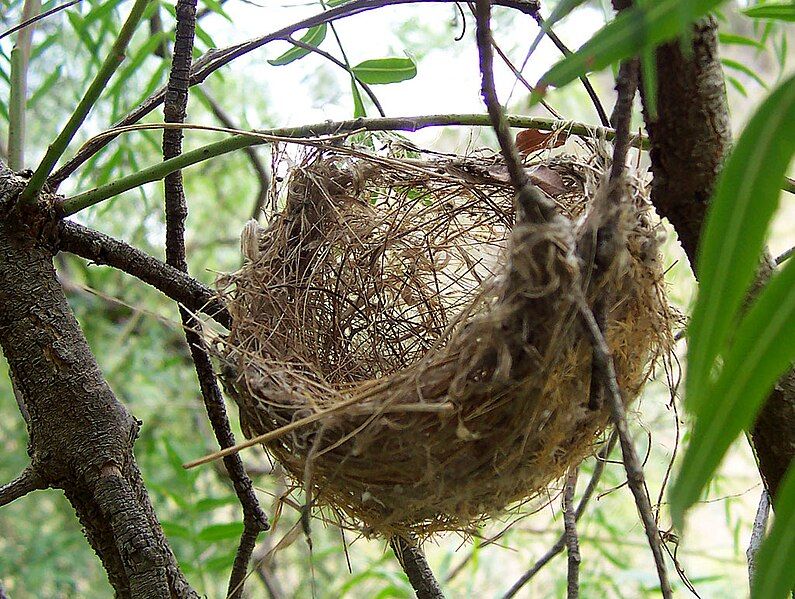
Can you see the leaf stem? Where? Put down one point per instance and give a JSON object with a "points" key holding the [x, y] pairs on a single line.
{"points": [[20, 58], [106, 70]]}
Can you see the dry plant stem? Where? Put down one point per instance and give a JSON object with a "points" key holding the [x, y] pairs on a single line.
{"points": [[539, 208], [175, 284], [417, 569], [25, 483], [215, 59], [570, 532], [560, 544], [757, 534], [635, 479], [367, 89], [254, 519]]}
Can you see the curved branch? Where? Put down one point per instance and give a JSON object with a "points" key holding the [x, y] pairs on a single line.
{"points": [[25, 483], [213, 60], [416, 568], [103, 249]]}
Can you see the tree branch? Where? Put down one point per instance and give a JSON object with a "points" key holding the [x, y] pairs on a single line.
{"points": [[570, 533], [560, 544], [215, 59], [103, 249], [176, 209], [416, 568], [757, 534], [25, 483]]}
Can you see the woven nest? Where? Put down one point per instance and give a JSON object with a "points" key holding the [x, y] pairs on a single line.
{"points": [[414, 346]]}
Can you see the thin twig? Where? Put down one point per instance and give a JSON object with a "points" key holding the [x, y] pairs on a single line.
{"points": [[173, 283], [416, 568], [176, 100], [260, 168], [635, 479], [757, 534], [339, 129], [600, 110], [560, 544], [95, 89], [30, 21], [18, 94], [537, 207], [570, 533], [214, 59], [25, 483], [367, 89]]}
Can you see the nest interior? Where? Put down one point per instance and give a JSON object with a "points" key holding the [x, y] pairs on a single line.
{"points": [[413, 342]]}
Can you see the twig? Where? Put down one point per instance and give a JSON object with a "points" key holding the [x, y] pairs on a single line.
{"points": [[367, 89], [215, 59], [635, 478], [254, 519], [29, 21], [158, 171], [95, 89], [585, 82], [25, 483], [560, 544], [175, 284], [785, 256], [537, 207], [757, 534], [570, 533], [416, 568], [20, 57], [263, 171]]}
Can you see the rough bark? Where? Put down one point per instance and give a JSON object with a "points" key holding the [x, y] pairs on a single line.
{"points": [[689, 139], [80, 436]]}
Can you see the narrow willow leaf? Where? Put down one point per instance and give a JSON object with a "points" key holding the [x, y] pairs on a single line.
{"points": [[219, 532], [740, 67], [563, 8], [775, 576], [385, 70], [313, 37], [782, 12], [731, 244], [735, 83], [762, 349], [740, 40], [634, 29]]}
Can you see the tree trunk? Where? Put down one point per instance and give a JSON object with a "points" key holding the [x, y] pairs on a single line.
{"points": [[80, 436], [689, 139]]}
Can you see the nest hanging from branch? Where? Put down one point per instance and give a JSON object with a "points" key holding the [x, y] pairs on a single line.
{"points": [[417, 347]]}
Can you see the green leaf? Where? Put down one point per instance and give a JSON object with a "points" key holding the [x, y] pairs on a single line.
{"points": [[385, 70], [562, 9], [735, 83], [219, 532], [763, 348], [358, 103], [313, 37], [210, 503], [731, 245], [782, 12], [740, 67], [740, 40], [176, 530], [775, 576], [630, 32]]}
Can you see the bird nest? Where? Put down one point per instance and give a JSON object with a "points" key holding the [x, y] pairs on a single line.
{"points": [[411, 344]]}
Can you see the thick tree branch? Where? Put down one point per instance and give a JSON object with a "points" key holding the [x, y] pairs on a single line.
{"points": [[175, 284], [416, 568], [215, 59], [176, 210]]}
